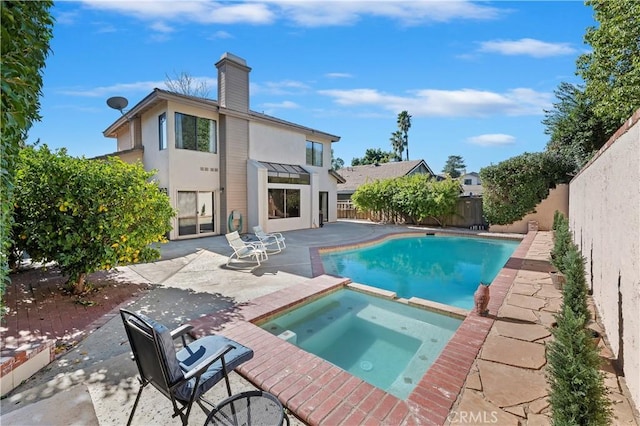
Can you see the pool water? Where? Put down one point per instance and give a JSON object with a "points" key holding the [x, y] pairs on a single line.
{"points": [[388, 344], [444, 269]]}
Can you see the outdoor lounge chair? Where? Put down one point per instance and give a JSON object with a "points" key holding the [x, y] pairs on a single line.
{"points": [[243, 249], [185, 375], [272, 239]]}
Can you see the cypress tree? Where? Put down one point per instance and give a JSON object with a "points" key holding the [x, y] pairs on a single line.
{"points": [[577, 393]]}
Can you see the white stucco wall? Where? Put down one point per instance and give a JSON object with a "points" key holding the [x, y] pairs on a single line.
{"points": [[277, 145], [181, 169], [604, 215]]}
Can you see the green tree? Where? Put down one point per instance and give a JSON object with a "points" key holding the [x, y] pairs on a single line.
{"points": [[513, 188], [575, 131], [404, 124], [373, 156], [397, 143], [336, 162], [454, 166], [27, 28], [611, 70], [87, 215]]}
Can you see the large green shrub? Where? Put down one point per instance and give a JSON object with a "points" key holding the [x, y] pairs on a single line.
{"points": [[513, 188], [87, 215], [27, 28], [416, 197], [577, 393]]}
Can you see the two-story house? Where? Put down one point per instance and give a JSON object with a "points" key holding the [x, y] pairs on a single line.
{"points": [[226, 167], [471, 185]]}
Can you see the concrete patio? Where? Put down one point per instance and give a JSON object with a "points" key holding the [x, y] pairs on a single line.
{"points": [[95, 382]]}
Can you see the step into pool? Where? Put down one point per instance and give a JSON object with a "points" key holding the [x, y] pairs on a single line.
{"points": [[388, 344]]}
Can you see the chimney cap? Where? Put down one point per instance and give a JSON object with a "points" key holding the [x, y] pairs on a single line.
{"points": [[231, 57]]}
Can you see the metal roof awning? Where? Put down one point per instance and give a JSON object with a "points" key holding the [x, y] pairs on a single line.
{"points": [[284, 170]]}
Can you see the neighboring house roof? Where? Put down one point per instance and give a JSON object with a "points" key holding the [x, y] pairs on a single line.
{"points": [[158, 96], [471, 174], [355, 176]]}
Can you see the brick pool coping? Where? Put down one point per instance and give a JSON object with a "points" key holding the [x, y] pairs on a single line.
{"points": [[317, 392]]}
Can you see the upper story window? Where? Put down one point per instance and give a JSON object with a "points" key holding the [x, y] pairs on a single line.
{"points": [[467, 182], [195, 133], [314, 153], [162, 131]]}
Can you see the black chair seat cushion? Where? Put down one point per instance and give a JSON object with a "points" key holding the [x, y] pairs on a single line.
{"points": [[191, 355]]}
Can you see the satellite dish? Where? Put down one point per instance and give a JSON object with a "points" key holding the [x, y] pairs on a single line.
{"points": [[118, 102]]}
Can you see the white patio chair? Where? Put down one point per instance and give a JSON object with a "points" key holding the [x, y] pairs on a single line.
{"points": [[243, 249], [271, 239]]}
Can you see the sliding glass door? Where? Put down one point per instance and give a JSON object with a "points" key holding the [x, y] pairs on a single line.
{"points": [[196, 212]]}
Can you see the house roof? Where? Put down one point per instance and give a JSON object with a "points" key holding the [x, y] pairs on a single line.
{"points": [[355, 176], [158, 96]]}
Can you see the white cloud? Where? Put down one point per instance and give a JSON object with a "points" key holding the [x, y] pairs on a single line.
{"points": [[124, 89], [220, 35], [528, 47], [284, 87], [337, 13], [206, 12], [492, 139], [161, 27], [281, 105], [115, 89], [338, 75], [449, 103], [67, 18], [303, 13]]}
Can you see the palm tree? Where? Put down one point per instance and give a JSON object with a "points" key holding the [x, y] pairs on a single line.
{"points": [[397, 143], [404, 123]]}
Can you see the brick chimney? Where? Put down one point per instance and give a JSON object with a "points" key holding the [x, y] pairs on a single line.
{"points": [[233, 82]]}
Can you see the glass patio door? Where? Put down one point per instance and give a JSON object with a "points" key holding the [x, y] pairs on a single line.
{"points": [[196, 212]]}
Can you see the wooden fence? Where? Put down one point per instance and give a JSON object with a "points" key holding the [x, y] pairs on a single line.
{"points": [[468, 214]]}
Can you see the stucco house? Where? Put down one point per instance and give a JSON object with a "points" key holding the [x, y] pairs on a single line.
{"points": [[355, 176], [226, 167], [471, 184]]}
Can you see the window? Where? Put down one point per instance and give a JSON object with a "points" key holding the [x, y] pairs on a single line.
{"points": [[162, 131], [284, 203], [314, 153], [195, 133], [467, 182]]}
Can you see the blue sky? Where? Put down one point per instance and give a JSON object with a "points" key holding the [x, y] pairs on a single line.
{"points": [[475, 76]]}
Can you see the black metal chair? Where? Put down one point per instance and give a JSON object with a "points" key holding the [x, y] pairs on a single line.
{"points": [[184, 375]]}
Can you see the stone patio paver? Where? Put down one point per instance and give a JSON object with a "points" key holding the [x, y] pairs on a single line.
{"points": [[506, 386], [517, 353], [516, 313], [528, 332], [474, 410], [525, 289], [538, 420], [527, 302]]}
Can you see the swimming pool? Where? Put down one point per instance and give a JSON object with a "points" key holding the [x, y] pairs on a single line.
{"points": [[388, 344], [445, 269]]}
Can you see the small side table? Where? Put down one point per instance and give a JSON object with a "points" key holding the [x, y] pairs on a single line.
{"points": [[248, 408]]}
